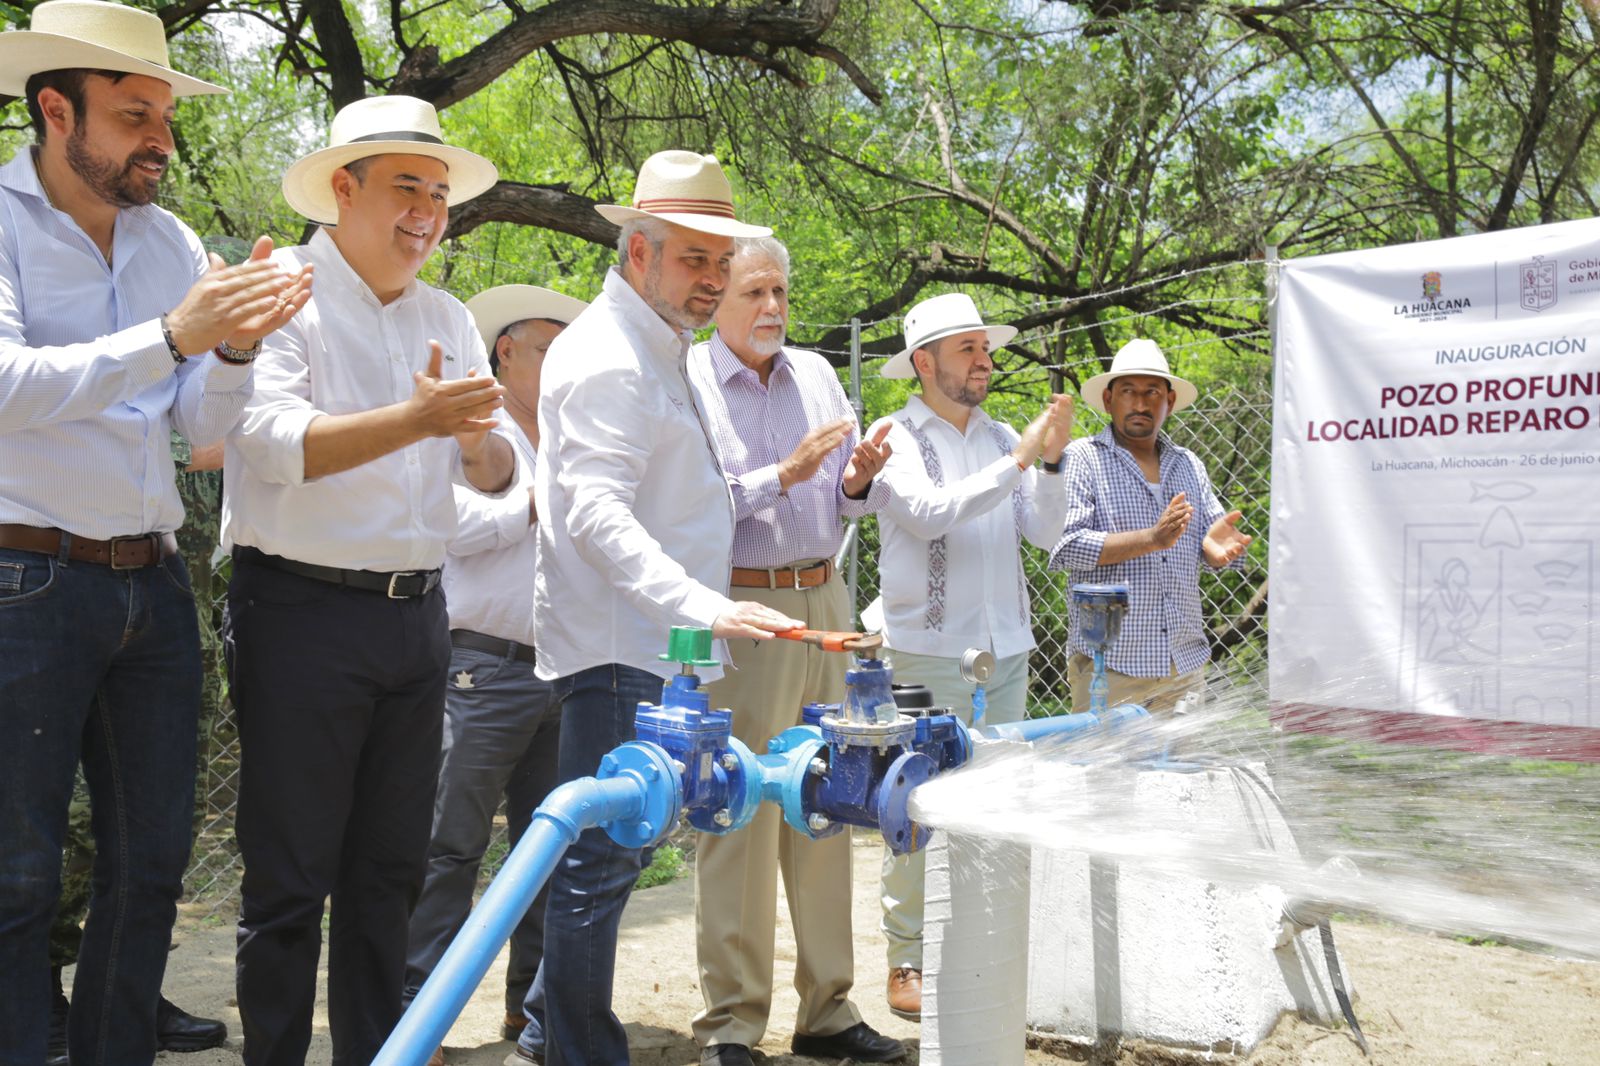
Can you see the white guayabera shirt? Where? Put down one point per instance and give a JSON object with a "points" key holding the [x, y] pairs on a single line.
{"points": [[345, 352], [635, 519], [88, 392], [950, 566]]}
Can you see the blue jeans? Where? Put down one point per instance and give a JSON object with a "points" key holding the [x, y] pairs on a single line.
{"points": [[100, 665], [501, 735], [569, 1006]]}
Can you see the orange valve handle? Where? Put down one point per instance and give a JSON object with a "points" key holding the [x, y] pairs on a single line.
{"points": [[833, 641]]}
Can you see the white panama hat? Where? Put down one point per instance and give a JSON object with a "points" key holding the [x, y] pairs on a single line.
{"points": [[936, 318], [381, 125], [687, 189], [495, 309], [91, 35], [1138, 356]]}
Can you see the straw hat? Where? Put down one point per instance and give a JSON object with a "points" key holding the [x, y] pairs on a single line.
{"points": [[1138, 356], [687, 189], [91, 35], [495, 309], [381, 125], [936, 318]]}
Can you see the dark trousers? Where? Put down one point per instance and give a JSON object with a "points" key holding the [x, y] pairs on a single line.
{"points": [[500, 736], [340, 699], [102, 665]]}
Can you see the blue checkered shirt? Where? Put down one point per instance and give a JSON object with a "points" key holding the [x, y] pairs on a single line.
{"points": [[1108, 493]]}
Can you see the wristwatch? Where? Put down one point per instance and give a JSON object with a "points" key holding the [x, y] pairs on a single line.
{"points": [[1049, 467]]}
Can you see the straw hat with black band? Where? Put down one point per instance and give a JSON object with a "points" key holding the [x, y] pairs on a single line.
{"points": [[381, 125], [1140, 357], [935, 319], [91, 35], [687, 189]]}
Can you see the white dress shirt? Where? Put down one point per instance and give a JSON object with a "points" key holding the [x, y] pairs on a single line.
{"points": [[343, 353], [88, 393], [969, 593], [635, 519], [488, 578]]}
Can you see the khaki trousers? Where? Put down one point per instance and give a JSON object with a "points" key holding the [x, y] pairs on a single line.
{"points": [[1154, 694], [1006, 695], [736, 875]]}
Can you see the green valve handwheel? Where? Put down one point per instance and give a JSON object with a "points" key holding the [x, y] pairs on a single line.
{"points": [[689, 645]]}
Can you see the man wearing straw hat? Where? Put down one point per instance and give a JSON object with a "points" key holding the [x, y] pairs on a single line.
{"points": [[339, 508], [1133, 498], [635, 536], [788, 443], [115, 328], [500, 731], [965, 494]]}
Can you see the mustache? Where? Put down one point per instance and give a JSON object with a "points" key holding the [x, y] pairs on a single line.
{"points": [[154, 158]]}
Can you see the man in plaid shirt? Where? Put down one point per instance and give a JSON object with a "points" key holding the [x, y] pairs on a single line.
{"points": [[1141, 512]]}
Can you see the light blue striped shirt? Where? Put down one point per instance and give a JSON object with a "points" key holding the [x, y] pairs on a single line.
{"points": [[1108, 493], [88, 393]]}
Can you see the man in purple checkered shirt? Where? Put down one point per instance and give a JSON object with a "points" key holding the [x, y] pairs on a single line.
{"points": [[1133, 498], [788, 444]]}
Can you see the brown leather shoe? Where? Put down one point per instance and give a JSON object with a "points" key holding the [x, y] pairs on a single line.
{"points": [[512, 1026], [905, 993]]}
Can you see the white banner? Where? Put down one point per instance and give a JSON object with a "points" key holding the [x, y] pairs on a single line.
{"points": [[1436, 478]]}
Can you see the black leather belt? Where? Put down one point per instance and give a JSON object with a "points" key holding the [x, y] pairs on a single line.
{"points": [[503, 649], [398, 585]]}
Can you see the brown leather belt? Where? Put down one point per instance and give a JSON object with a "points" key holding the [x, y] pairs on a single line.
{"points": [[808, 576], [119, 553]]}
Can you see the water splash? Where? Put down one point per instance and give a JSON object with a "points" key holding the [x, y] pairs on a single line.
{"points": [[1479, 845]]}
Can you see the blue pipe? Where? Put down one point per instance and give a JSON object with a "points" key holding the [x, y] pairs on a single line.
{"points": [[1062, 725], [566, 812]]}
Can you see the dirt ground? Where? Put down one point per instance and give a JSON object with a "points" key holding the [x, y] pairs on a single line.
{"points": [[1423, 1000]]}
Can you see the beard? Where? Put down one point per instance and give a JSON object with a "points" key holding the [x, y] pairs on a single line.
{"points": [[120, 186], [679, 316], [767, 347], [968, 391]]}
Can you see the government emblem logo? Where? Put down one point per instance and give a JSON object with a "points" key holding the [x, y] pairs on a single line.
{"points": [[1432, 285], [1538, 282]]}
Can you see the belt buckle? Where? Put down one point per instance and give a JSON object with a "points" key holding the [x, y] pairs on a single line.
{"points": [[393, 595], [794, 573], [152, 539]]}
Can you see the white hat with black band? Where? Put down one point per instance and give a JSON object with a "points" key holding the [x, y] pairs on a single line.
{"points": [[381, 125], [936, 318]]}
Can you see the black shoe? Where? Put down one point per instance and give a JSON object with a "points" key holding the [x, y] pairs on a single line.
{"points": [[180, 1031], [726, 1055], [860, 1042], [56, 1046]]}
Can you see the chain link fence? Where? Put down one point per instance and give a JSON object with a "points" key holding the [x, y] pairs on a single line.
{"points": [[1231, 431]]}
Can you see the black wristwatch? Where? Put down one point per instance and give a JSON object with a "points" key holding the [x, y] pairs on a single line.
{"points": [[1049, 467]]}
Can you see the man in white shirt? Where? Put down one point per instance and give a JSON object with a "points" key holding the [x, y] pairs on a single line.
{"points": [[115, 329], [965, 495], [787, 440], [339, 507], [635, 535], [500, 728]]}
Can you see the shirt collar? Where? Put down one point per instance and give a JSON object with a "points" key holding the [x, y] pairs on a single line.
{"points": [[21, 175], [659, 335], [333, 267], [921, 414], [725, 362]]}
